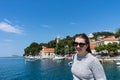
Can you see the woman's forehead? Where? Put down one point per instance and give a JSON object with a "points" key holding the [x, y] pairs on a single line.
{"points": [[79, 39]]}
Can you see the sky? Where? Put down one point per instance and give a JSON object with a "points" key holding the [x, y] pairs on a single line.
{"points": [[25, 21]]}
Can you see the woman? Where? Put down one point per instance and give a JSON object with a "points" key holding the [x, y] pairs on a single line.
{"points": [[85, 66]]}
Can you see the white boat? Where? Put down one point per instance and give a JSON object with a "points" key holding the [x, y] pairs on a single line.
{"points": [[58, 58], [70, 63], [32, 58], [118, 62]]}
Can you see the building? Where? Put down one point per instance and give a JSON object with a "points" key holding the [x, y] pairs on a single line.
{"points": [[102, 41], [107, 40], [47, 52], [92, 47]]}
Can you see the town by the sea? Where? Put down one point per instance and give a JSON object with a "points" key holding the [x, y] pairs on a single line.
{"points": [[16, 68]]}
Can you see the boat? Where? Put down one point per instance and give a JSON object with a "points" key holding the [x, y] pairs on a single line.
{"points": [[58, 58], [70, 63], [32, 58], [117, 62]]}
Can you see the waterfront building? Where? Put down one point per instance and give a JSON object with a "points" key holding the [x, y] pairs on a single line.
{"points": [[92, 47], [47, 52], [102, 41], [107, 40]]}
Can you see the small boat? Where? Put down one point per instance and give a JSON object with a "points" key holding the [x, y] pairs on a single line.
{"points": [[27, 59], [31, 58], [70, 63], [58, 58], [118, 62]]}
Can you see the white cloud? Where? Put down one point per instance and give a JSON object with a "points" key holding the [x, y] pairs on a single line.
{"points": [[6, 27], [6, 20]]}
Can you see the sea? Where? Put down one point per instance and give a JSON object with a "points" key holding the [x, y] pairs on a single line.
{"points": [[16, 68]]}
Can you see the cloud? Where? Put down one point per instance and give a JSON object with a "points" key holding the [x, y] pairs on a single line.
{"points": [[7, 27], [6, 20]]}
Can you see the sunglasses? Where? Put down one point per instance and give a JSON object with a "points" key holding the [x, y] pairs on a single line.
{"points": [[80, 44]]}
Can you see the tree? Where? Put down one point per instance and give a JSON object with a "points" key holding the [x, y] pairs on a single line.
{"points": [[33, 49], [102, 34], [117, 33], [51, 44], [27, 51], [112, 48], [100, 48]]}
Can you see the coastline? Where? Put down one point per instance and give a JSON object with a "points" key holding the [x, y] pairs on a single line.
{"points": [[109, 59]]}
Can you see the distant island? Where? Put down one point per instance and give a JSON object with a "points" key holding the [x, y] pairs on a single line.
{"points": [[16, 56]]}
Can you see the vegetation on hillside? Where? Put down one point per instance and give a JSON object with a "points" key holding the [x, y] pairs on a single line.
{"points": [[65, 45]]}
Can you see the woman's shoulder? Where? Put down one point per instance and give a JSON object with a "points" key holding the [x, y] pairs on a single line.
{"points": [[93, 60], [92, 57]]}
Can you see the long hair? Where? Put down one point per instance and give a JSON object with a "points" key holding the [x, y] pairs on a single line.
{"points": [[87, 41]]}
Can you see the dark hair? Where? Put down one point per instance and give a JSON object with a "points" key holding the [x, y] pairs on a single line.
{"points": [[84, 36]]}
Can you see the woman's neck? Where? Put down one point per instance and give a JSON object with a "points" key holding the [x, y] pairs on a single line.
{"points": [[81, 54]]}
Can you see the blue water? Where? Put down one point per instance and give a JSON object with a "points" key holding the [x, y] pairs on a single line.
{"points": [[46, 69], [112, 71]]}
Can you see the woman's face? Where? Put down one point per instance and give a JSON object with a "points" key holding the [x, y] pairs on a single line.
{"points": [[80, 45]]}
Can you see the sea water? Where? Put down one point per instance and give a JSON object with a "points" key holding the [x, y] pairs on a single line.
{"points": [[12, 68], [112, 71], [45, 69]]}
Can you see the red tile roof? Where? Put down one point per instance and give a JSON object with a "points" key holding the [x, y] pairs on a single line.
{"points": [[49, 49], [110, 38]]}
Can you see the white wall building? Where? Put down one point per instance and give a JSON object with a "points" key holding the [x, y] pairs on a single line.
{"points": [[47, 52], [107, 40]]}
